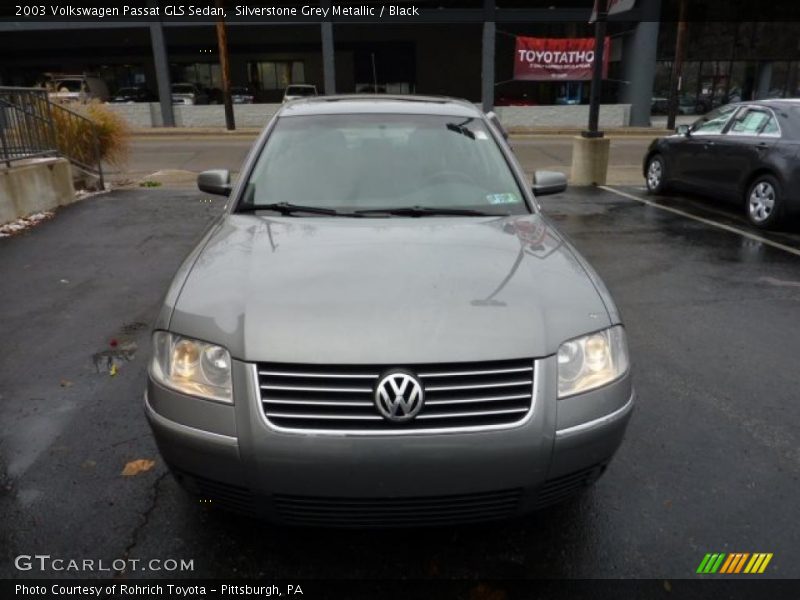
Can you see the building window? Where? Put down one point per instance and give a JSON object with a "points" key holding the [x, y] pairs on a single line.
{"points": [[275, 74], [205, 75]]}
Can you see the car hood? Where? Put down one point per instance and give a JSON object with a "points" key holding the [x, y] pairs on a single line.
{"points": [[391, 290]]}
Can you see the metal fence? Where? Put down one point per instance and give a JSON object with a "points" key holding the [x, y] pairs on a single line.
{"points": [[26, 126], [33, 127]]}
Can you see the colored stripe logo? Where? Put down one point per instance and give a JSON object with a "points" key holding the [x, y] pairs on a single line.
{"points": [[734, 563]]}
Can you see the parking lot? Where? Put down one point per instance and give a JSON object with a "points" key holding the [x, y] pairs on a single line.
{"points": [[711, 461]]}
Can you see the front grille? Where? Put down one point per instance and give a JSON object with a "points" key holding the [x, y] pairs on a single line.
{"points": [[389, 512], [340, 398]]}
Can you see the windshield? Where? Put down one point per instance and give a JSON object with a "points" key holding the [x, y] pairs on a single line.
{"points": [[380, 161], [301, 90], [70, 85], [183, 88]]}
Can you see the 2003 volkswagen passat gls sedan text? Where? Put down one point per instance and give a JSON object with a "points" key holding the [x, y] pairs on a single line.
{"points": [[382, 329]]}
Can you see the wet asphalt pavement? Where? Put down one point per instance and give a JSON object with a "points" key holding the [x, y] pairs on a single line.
{"points": [[711, 462]]}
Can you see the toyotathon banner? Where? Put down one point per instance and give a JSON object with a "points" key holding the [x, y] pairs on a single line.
{"points": [[549, 59]]}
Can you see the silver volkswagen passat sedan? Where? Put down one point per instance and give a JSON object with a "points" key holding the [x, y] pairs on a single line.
{"points": [[382, 328]]}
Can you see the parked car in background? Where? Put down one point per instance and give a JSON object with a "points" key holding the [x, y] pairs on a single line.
{"points": [[188, 93], [659, 105], [745, 152], [241, 94], [371, 88], [128, 95], [383, 329], [299, 90], [77, 88], [215, 95]]}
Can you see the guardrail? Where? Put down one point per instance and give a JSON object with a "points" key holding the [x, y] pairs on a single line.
{"points": [[33, 127]]}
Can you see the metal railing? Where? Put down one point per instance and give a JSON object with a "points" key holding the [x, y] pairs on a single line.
{"points": [[26, 126], [33, 127]]}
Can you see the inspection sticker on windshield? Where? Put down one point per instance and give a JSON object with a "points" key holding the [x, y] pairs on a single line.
{"points": [[502, 198]]}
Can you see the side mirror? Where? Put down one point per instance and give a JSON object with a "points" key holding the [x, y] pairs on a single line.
{"points": [[495, 120], [549, 182], [216, 181], [683, 130]]}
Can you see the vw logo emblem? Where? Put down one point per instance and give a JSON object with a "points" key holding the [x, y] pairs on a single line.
{"points": [[399, 396]]}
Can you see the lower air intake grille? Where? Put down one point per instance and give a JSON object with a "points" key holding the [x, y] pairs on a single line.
{"points": [[389, 512], [341, 398], [562, 488], [217, 494]]}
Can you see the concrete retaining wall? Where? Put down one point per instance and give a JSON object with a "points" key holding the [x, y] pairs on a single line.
{"points": [[521, 117], [38, 185], [142, 116]]}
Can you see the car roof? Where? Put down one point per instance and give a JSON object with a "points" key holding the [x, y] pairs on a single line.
{"points": [[773, 102], [379, 104]]}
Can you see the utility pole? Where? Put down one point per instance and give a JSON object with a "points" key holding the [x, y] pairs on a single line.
{"points": [[222, 43], [601, 9], [676, 78], [590, 148]]}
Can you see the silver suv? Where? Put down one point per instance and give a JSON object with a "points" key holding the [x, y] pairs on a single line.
{"points": [[382, 329]]}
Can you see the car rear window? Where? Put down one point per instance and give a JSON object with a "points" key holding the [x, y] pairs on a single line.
{"points": [[71, 85], [750, 123]]}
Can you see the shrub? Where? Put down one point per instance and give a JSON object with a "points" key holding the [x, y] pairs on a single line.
{"points": [[75, 138]]}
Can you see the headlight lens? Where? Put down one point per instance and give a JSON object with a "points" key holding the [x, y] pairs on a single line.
{"points": [[592, 361], [192, 367]]}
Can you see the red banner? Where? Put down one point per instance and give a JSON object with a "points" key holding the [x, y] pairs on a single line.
{"points": [[549, 59]]}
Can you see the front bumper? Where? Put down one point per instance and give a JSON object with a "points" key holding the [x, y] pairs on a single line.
{"points": [[230, 456]]}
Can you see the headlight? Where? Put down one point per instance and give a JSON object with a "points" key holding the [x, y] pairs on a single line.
{"points": [[191, 367], [592, 361]]}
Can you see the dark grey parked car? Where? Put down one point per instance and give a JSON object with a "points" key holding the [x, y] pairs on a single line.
{"points": [[382, 329], [746, 152]]}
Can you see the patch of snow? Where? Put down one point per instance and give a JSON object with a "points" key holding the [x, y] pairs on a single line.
{"points": [[24, 223]]}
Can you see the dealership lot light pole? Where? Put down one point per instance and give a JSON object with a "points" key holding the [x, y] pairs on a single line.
{"points": [[487, 62], [597, 72], [590, 148], [676, 78]]}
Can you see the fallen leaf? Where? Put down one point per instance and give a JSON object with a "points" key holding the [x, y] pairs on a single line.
{"points": [[89, 464], [137, 466], [113, 370], [66, 383], [667, 585], [484, 592]]}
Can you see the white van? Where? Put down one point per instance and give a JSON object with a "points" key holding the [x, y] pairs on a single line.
{"points": [[78, 88]]}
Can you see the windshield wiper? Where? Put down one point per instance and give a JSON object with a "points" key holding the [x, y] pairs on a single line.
{"points": [[423, 211], [286, 208]]}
